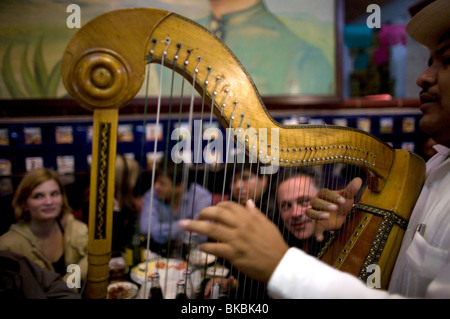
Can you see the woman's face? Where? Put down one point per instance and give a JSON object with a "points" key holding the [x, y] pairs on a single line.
{"points": [[45, 201]]}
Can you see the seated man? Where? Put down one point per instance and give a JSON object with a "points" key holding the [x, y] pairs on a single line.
{"points": [[170, 200], [294, 195]]}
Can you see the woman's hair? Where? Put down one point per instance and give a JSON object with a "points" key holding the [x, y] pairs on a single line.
{"points": [[30, 181], [126, 176]]}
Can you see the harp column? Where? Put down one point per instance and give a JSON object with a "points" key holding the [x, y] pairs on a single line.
{"points": [[101, 201], [101, 76]]}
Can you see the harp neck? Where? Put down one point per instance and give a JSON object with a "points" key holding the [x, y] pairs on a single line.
{"points": [[104, 67]]}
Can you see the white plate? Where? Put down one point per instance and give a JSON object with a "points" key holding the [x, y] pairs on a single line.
{"points": [[122, 290], [149, 255]]}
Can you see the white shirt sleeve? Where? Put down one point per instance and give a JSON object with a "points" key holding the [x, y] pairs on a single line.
{"points": [[299, 275], [439, 287]]}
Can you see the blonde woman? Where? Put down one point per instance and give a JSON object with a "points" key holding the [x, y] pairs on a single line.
{"points": [[47, 233]]}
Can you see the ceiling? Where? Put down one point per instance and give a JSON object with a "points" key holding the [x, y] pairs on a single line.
{"points": [[355, 8]]}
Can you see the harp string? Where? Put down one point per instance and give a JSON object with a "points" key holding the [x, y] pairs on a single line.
{"points": [[165, 159], [155, 148], [226, 179], [251, 282], [184, 167], [196, 159], [327, 171], [214, 295], [206, 166], [248, 177], [216, 161], [172, 79]]}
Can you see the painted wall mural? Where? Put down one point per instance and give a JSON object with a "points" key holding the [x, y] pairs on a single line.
{"points": [[34, 34]]}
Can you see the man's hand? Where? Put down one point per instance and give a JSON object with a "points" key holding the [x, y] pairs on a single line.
{"points": [[330, 208], [245, 237]]}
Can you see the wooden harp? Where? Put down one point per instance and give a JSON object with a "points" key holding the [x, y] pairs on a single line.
{"points": [[103, 68]]}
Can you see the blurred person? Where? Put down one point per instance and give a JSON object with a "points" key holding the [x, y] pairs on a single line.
{"points": [[47, 233], [20, 278], [246, 182], [294, 193], [172, 198], [125, 211]]}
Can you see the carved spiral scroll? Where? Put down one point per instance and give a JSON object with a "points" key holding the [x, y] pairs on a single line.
{"points": [[100, 76]]}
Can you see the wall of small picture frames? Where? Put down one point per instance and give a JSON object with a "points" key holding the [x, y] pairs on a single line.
{"points": [[66, 146]]}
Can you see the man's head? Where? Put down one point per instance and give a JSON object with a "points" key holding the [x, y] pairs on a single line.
{"points": [[246, 182], [294, 196], [431, 27]]}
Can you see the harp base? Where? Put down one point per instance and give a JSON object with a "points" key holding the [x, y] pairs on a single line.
{"points": [[98, 276]]}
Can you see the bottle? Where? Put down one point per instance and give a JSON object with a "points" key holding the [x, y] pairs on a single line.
{"points": [[133, 251], [215, 291], [136, 244], [155, 290], [181, 290], [188, 282]]}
